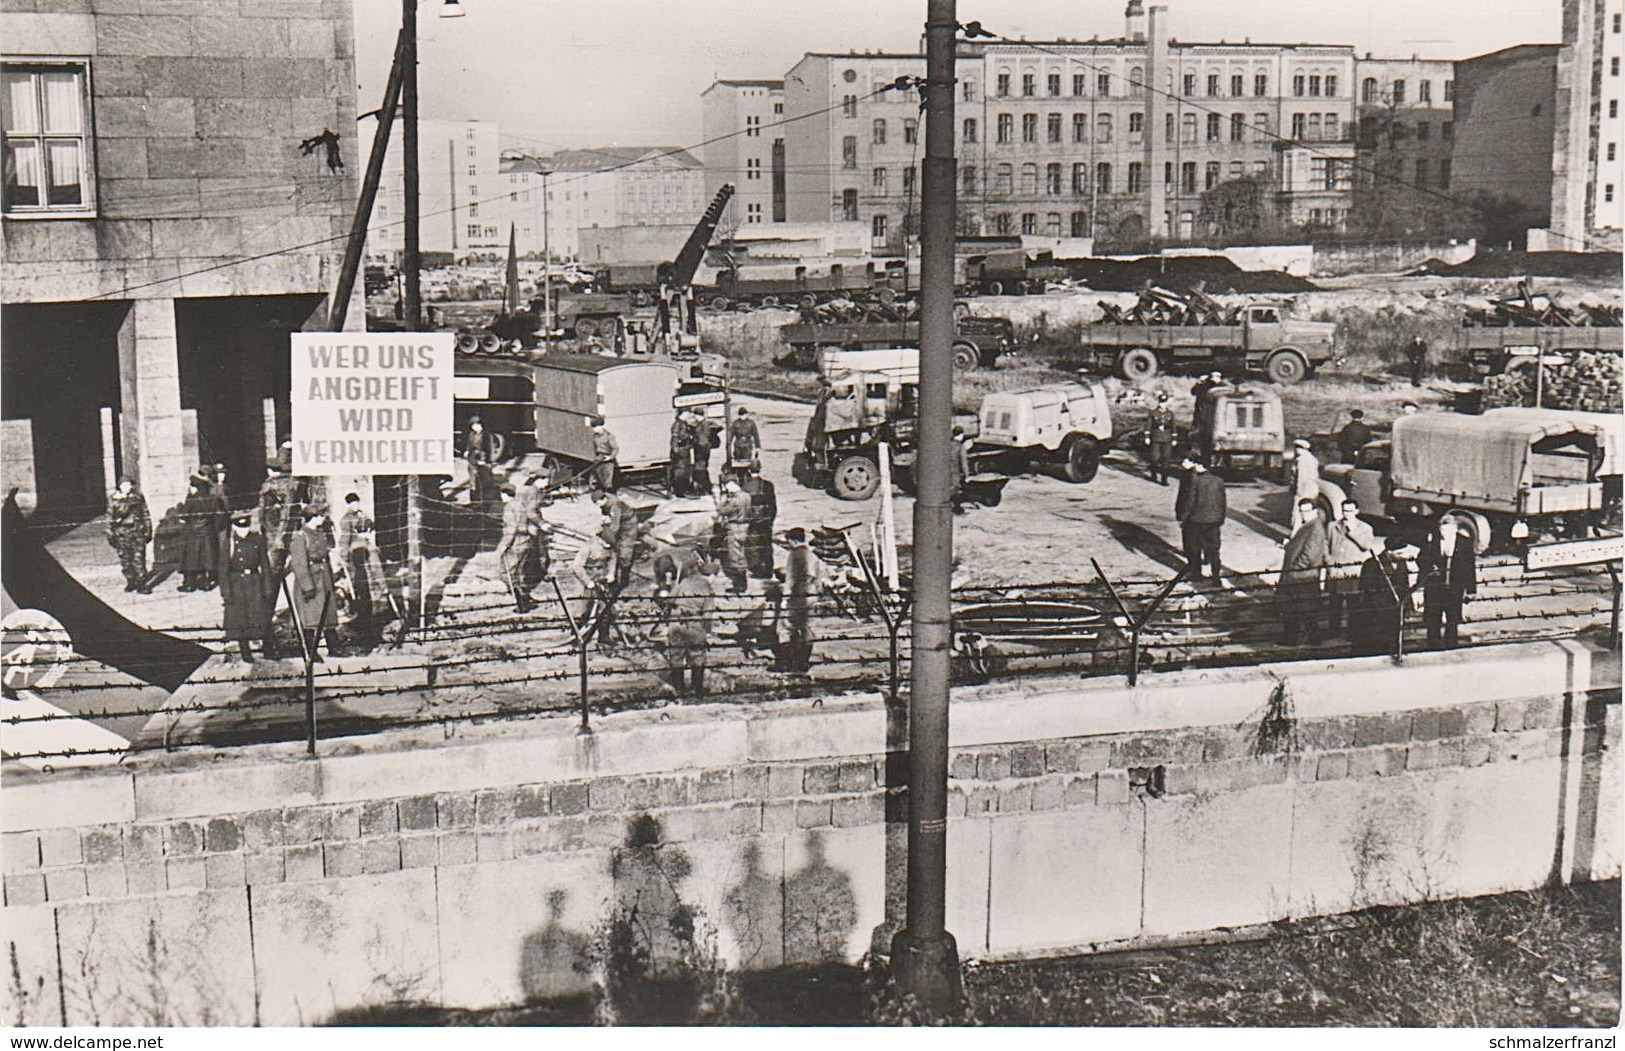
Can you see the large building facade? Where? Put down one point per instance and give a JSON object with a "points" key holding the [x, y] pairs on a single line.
{"points": [[1117, 139], [163, 232], [1505, 109], [612, 186], [460, 203], [1586, 172], [752, 157]]}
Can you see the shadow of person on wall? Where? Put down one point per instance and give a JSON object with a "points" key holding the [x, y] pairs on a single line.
{"points": [[820, 910], [553, 961], [753, 911]]}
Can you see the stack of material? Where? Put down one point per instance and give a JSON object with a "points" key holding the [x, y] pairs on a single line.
{"points": [[1162, 306], [1588, 382], [1529, 309]]}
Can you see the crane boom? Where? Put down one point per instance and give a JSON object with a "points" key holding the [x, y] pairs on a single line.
{"points": [[688, 259]]}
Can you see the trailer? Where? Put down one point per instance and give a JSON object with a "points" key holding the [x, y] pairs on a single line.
{"points": [[634, 397], [1261, 340]]}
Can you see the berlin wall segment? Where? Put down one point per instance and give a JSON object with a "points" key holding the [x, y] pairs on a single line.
{"points": [[402, 870]]}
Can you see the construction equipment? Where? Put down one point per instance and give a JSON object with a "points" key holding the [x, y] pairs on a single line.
{"points": [[855, 413], [1066, 427]]}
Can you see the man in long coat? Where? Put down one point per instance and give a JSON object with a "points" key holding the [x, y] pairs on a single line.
{"points": [[1449, 572], [1200, 508], [200, 538], [129, 530], [310, 556], [246, 586], [744, 445], [801, 573], [1385, 600], [1298, 591], [1349, 541]]}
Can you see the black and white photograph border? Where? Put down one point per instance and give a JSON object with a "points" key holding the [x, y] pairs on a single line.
{"points": [[723, 513]]}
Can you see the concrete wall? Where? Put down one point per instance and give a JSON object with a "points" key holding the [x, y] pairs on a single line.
{"points": [[1337, 259], [269, 888]]}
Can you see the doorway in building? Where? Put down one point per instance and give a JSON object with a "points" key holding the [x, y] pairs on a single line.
{"points": [[59, 397], [235, 373]]}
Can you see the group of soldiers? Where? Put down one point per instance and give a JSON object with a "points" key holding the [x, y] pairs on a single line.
{"points": [[740, 549], [249, 552]]}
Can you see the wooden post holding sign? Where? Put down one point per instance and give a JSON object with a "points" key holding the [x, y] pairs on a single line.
{"points": [[374, 403]]}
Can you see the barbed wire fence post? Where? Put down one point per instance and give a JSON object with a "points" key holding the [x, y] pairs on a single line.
{"points": [[306, 651], [1136, 625], [581, 656]]}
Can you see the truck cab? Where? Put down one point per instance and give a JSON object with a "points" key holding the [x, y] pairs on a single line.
{"points": [[1064, 425], [854, 414]]}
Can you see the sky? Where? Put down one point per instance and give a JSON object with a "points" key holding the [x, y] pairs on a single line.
{"points": [[630, 72]]}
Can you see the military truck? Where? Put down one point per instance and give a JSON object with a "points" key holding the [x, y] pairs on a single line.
{"points": [[1508, 477], [977, 340], [1241, 427], [1260, 339], [1065, 427], [854, 414]]}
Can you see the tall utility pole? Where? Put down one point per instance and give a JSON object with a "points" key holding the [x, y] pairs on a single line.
{"points": [[924, 955], [547, 254], [411, 265]]}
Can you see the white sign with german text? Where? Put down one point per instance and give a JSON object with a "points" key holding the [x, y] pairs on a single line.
{"points": [[372, 402]]}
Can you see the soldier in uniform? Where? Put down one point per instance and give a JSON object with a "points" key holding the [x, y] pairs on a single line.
{"points": [[278, 514], [1160, 435], [733, 520], [705, 439], [246, 586], [129, 529], [690, 605], [315, 606], [764, 508], [620, 532], [604, 451], [480, 452], [744, 445], [801, 572], [680, 469], [515, 551], [356, 532]]}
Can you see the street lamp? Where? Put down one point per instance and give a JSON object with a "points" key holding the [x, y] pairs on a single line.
{"points": [[546, 172]]}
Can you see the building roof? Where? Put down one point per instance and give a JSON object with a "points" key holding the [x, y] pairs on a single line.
{"points": [[600, 159], [746, 84]]}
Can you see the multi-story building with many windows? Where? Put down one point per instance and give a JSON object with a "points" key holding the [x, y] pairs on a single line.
{"points": [[747, 149], [1587, 185], [585, 189], [1116, 139]]}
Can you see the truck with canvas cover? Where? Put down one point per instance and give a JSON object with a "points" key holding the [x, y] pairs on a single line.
{"points": [[1064, 427], [1508, 478], [1261, 339]]}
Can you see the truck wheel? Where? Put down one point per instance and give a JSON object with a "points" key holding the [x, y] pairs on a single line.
{"points": [[1082, 461], [965, 357], [770, 301], [1139, 364], [586, 328], [994, 288], [1286, 367], [855, 478], [719, 303]]}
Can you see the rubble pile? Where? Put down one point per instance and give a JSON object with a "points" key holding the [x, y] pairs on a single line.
{"points": [[1590, 383]]}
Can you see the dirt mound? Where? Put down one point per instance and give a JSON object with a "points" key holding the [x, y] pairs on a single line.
{"points": [[1532, 264], [1219, 274]]}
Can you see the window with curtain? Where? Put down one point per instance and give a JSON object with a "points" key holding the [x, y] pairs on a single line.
{"points": [[47, 139]]}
